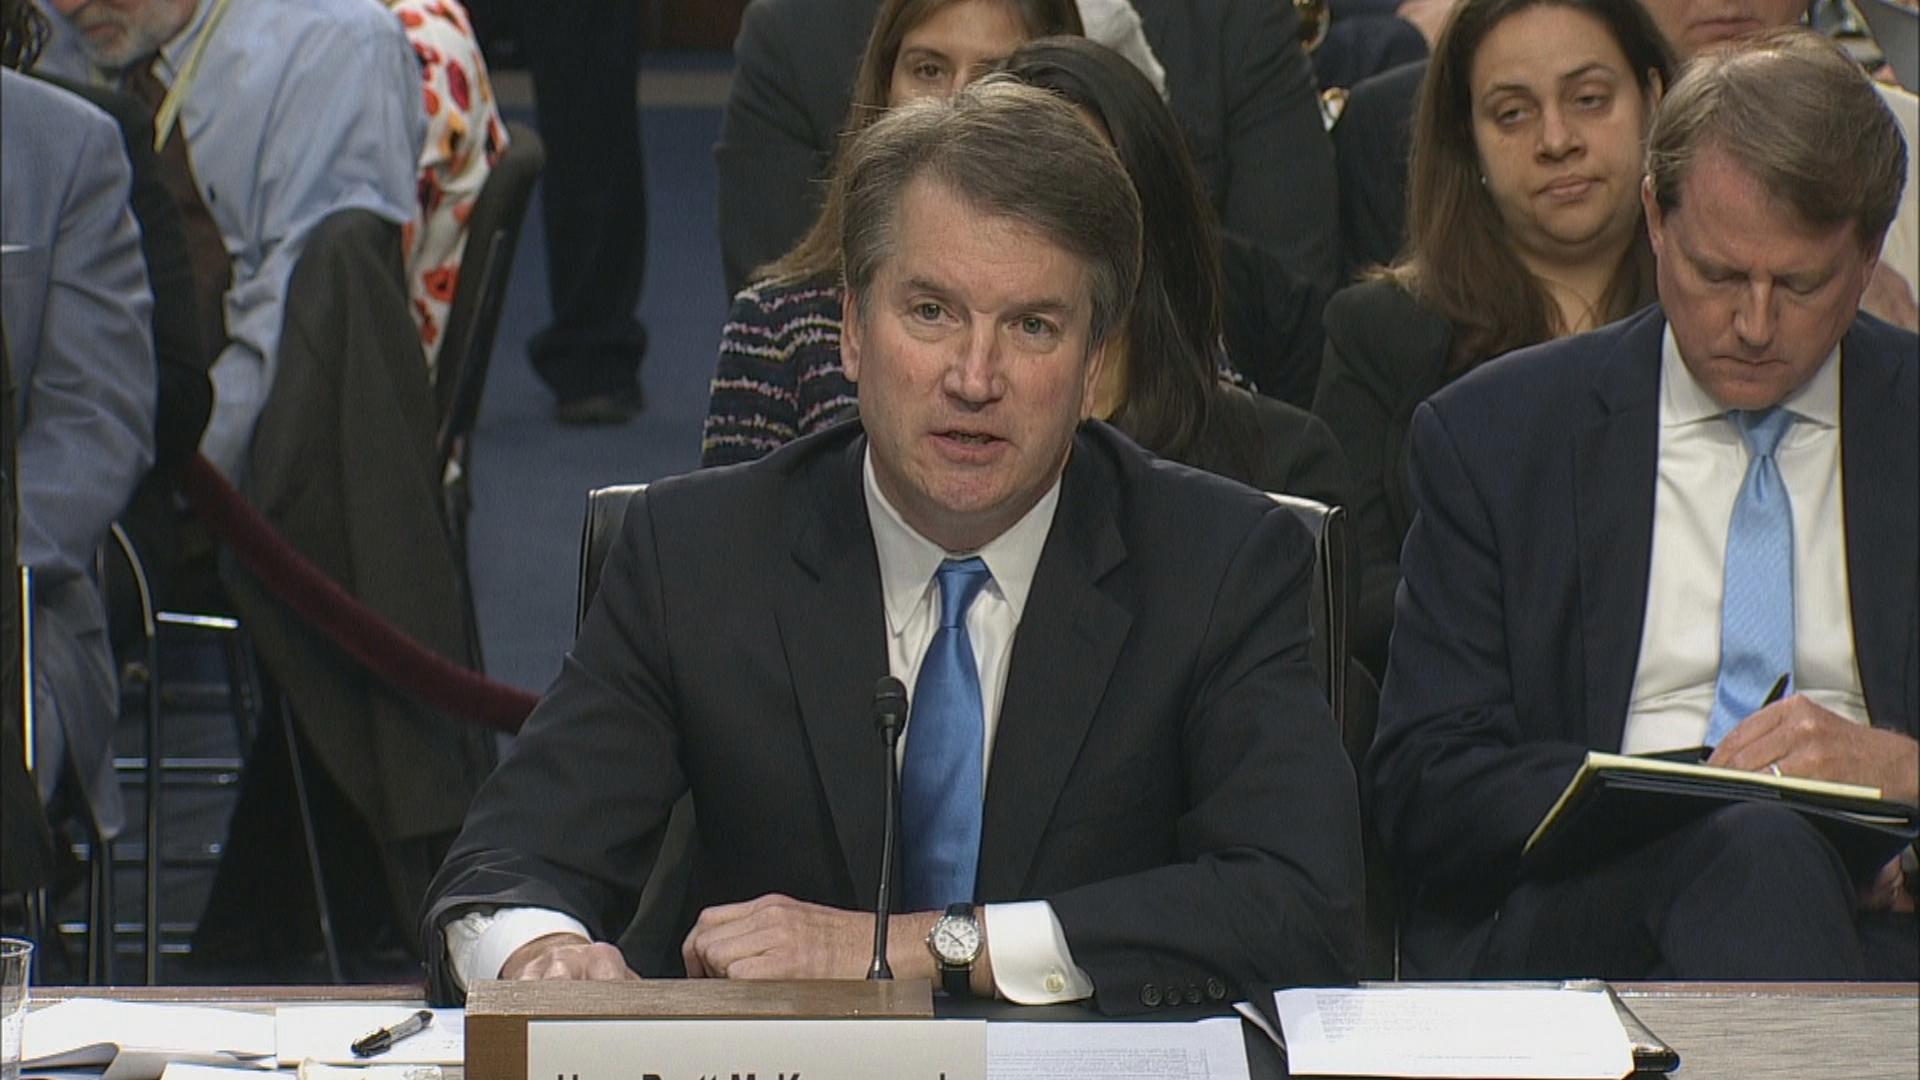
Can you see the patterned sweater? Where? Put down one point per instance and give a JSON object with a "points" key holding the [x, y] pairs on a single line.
{"points": [[778, 375]]}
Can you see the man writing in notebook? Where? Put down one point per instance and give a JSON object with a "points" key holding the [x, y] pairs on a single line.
{"points": [[1625, 539], [1116, 750]]}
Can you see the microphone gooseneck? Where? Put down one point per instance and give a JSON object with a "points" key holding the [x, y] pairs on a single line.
{"points": [[890, 717]]}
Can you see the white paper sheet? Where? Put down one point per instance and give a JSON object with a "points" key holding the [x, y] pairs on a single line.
{"points": [[140, 1038], [308, 1071], [1413, 1031], [326, 1033], [1202, 1050]]}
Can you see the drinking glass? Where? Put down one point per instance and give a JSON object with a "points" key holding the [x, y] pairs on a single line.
{"points": [[16, 956]]}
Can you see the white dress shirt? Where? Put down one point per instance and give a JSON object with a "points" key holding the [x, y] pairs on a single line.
{"points": [[1031, 962], [1702, 463]]}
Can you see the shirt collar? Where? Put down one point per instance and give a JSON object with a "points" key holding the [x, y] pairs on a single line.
{"points": [[175, 52], [908, 560], [1684, 401]]}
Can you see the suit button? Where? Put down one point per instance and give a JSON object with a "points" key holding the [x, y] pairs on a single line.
{"points": [[1193, 995], [1172, 995], [1149, 995], [1216, 990], [1055, 982]]}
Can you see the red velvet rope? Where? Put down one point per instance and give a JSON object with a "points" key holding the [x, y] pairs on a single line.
{"points": [[361, 632]]}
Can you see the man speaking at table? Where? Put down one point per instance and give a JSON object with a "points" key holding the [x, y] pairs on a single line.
{"points": [[1625, 539], [1117, 746]]}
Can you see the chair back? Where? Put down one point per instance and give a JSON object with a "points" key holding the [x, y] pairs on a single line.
{"points": [[1327, 603], [493, 232], [606, 510], [651, 941], [1355, 703]]}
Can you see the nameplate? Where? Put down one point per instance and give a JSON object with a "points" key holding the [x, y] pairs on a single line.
{"points": [[500, 1015], [757, 1050]]}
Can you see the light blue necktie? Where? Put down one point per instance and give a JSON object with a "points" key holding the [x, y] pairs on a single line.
{"points": [[1756, 606], [940, 778]]}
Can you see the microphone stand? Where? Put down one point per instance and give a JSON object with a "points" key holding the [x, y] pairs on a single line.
{"points": [[890, 716]]}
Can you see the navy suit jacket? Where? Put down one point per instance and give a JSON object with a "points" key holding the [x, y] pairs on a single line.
{"points": [[1164, 770], [1524, 588]]}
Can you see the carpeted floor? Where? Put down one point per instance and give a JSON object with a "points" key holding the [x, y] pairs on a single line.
{"points": [[531, 475]]}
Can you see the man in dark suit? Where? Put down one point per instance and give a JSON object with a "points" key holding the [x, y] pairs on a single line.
{"points": [[1236, 77], [1116, 744], [1623, 538]]}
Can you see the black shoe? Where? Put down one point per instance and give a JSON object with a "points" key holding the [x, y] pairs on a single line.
{"points": [[610, 407]]}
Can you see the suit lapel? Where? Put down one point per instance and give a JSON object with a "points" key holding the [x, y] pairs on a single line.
{"points": [[1878, 452], [833, 630], [1616, 459], [1069, 639]]}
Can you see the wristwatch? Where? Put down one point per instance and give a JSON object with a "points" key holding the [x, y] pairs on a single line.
{"points": [[955, 944]]}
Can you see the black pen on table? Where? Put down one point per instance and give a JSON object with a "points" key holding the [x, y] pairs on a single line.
{"points": [[381, 1041]]}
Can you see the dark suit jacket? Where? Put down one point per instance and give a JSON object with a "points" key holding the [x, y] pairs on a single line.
{"points": [[1240, 86], [1164, 770], [1371, 142], [1524, 593], [1384, 355], [185, 393]]}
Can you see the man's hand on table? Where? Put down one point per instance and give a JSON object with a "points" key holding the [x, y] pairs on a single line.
{"points": [[778, 937], [566, 956], [1802, 739]]}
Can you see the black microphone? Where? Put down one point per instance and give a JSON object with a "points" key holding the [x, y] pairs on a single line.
{"points": [[890, 716]]}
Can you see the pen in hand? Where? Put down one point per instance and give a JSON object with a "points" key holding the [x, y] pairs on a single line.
{"points": [[1779, 689], [381, 1041]]}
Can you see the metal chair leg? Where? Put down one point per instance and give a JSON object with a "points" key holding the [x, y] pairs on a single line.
{"points": [[100, 912], [37, 926], [151, 865], [321, 906]]}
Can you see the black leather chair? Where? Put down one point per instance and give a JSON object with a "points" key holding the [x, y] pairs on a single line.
{"points": [[651, 942], [1355, 703], [1327, 606], [460, 377]]}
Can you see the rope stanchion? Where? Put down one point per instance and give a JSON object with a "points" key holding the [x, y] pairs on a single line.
{"points": [[359, 631]]}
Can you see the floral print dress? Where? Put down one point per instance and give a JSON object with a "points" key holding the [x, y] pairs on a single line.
{"points": [[464, 138]]}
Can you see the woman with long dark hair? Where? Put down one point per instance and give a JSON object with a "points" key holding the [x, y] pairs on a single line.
{"points": [[1524, 225], [1162, 382]]}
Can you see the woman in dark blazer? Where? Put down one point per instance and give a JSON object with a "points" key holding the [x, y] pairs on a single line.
{"points": [[1524, 224], [1163, 382]]}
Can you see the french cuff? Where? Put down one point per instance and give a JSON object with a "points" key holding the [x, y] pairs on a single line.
{"points": [[1031, 962], [479, 942]]}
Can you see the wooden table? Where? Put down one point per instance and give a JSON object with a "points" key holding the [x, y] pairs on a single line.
{"points": [[1802, 1031], [1723, 1031]]}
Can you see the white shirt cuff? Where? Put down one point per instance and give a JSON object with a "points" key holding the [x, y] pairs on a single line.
{"points": [[1031, 962], [479, 942]]}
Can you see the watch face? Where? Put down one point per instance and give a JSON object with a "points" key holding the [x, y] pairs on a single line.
{"points": [[956, 940]]}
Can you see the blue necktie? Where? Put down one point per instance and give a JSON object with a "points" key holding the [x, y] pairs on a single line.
{"points": [[940, 778], [1756, 606]]}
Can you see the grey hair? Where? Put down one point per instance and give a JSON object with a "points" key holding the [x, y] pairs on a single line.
{"points": [[1009, 151], [1795, 112]]}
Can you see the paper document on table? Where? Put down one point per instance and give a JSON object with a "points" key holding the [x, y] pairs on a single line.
{"points": [[1494, 1034], [136, 1040], [309, 1070], [326, 1033], [1202, 1050]]}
